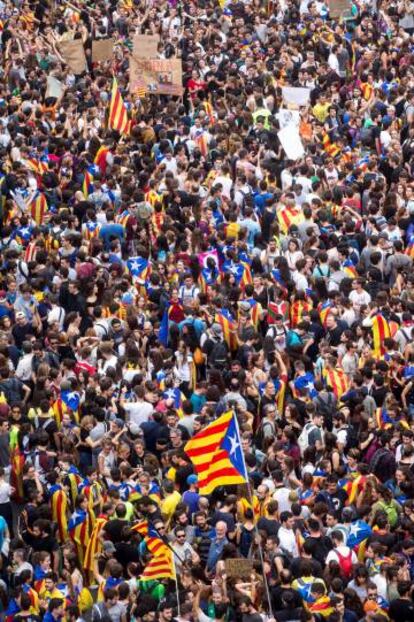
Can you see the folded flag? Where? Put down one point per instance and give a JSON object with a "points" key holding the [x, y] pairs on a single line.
{"points": [[380, 331]]}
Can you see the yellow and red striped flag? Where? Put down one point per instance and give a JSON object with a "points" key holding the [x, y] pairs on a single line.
{"points": [[337, 380], [160, 567], [100, 158], [59, 503], [329, 147], [216, 455], [38, 208], [16, 475], [118, 115], [289, 216], [228, 324], [297, 310], [94, 546], [380, 331]]}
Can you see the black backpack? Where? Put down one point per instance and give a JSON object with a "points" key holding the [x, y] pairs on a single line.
{"points": [[219, 355]]}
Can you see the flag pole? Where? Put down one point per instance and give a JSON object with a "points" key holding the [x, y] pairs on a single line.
{"points": [[176, 586], [256, 531]]}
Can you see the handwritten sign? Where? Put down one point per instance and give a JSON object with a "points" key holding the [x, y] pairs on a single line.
{"points": [[145, 46], [240, 568], [160, 76], [73, 55], [339, 8], [102, 50]]}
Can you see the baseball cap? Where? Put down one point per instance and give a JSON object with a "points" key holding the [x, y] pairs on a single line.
{"points": [[20, 315], [192, 479]]}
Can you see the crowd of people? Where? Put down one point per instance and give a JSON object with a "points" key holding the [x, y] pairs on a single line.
{"points": [[153, 280]]}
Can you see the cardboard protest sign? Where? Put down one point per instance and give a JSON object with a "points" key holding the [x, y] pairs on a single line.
{"points": [[102, 50], [73, 55], [239, 568], [291, 142], [339, 8], [145, 46], [296, 95], [160, 76]]}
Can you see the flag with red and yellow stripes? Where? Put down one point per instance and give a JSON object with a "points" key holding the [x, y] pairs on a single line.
{"points": [[216, 455], [59, 503], [38, 208], [289, 216], [380, 331], [94, 546], [337, 380], [118, 115], [159, 567], [297, 309]]}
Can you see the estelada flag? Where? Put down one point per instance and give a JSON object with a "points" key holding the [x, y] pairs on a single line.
{"points": [[38, 208], [217, 455], [118, 115]]}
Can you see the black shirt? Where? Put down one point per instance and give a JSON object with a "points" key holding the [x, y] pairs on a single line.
{"points": [[402, 610], [113, 529]]}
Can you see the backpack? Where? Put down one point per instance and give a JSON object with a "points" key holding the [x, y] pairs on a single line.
{"points": [[218, 355], [345, 563], [303, 440], [367, 136], [259, 436], [391, 512]]}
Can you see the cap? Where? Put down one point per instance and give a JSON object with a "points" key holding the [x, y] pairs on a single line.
{"points": [[20, 315], [119, 422], [192, 479], [244, 306], [216, 328]]}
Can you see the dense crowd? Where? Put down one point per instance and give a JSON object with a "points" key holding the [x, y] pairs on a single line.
{"points": [[155, 279]]}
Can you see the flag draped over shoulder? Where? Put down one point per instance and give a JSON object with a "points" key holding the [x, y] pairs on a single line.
{"points": [[217, 455], [380, 331], [38, 207], [59, 503], [118, 115], [337, 380], [94, 545], [228, 324]]}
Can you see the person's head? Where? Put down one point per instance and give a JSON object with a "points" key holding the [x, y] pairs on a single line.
{"points": [[221, 530], [286, 518], [56, 608]]}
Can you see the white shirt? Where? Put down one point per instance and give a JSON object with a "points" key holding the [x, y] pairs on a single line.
{"points": [[281, 495], [287, 541], [359, 298], [342, 550], [227, 184], [139, 412], [57, 314], [24, 368], [5, 492]]}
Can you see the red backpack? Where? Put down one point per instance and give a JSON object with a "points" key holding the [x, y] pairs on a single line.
{"points": [[345, 563]]}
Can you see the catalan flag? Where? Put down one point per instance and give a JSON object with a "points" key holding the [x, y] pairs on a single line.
{"points": [[177, 398], [359, 531], [87, 184], [289, 216], [329, 147], [254, 311], [16, 474], [297, 309], [118, 115], [39, 579], [59, 503], [80, 528], [101, 157], [324, 309], [280, 282], [91, 230], [410, 247], [34, 598], [210, 112], [202, 143], [38, 208], [228, 324], [94, 546], [73, 480], [322, 606], [160, 567], [59, 409], [139, 268], [216, 454], [380, 331], [337, 380], [349, 268]]}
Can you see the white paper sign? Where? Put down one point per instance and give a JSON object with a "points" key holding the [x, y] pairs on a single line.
{"points": [[288, 117], [54, 87], [296, 95], [291, 142]]}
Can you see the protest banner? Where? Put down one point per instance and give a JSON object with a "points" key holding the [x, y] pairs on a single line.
{"points": [[238, 568], [145, 46], [54, 87], [288, 117], [291, 142], [73, 55], [160, 76], [298, 96], [102, 50], [339, 8]]}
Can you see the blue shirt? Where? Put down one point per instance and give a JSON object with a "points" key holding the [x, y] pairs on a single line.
{"points": [[111, 230], [216, 549], [198, 324]]}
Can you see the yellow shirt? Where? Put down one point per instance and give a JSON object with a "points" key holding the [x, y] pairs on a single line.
{"points": [[320, 111], [169, 504]]}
